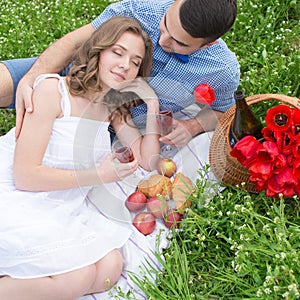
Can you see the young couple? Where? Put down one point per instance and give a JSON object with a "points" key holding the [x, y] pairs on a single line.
{"points": [[50, 236], [188, 51]]}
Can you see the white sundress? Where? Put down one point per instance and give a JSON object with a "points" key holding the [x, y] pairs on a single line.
{"points": [[54, 232], [48, 233]]}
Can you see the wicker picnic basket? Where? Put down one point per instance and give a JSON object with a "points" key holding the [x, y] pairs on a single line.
{"points": [[225, 167]]}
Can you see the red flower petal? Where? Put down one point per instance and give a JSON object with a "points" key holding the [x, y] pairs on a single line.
{"points": [[245, 149], [286, 143], [296, 122], [260, 169], [259, 183], [268, 152], [268, 134], [204, 94], [283, 183], [296, 167], [281, 162], [296, 148]]}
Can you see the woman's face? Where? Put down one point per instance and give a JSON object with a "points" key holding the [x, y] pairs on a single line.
{"points": [[122, 61]]}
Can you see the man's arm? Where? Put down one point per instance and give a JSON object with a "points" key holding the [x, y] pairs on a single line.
{"points": [[53, 60]]}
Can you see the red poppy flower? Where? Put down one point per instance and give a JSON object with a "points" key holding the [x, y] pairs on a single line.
{"points": [[280, 163], [279, 118], [296, 167], [260, 170], [296, 122], [245, 149], [204, 94], [283, 183], [268, 134], [268, 152], [260, 184], [296, 148], [287, 143], [284, 141]]}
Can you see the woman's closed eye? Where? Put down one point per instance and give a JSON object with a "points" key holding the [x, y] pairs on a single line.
{"points": [[117, 52], [135, 62]]}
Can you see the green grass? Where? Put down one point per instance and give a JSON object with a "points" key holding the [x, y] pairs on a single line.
{"points": [[237, 245]]}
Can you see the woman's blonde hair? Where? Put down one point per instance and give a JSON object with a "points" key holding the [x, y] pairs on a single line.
{"points": [[83, 76]]}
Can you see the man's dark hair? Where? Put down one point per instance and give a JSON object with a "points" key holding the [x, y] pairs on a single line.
{"points": [[208, 19]]}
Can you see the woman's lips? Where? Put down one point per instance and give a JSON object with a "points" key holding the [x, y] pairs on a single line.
{"points": [[118, 76]]}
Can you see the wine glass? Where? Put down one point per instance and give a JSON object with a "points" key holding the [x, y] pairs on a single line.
{"points": [[123, 153], [165, 123]]}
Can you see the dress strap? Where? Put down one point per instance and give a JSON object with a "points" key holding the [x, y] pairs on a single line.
{"points": [[65, 99]]}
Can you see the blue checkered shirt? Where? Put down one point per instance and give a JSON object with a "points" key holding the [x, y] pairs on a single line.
{"points": [[173, 80]]}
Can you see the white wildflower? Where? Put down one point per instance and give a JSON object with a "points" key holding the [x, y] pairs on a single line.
{"points": [[283, 255], [285, 295], [268, 278], [276, 288], [268, 291], [259, 293], [276, 220], [292, 287]]}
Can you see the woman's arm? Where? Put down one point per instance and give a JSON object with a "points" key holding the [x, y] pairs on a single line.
{"points": [[146, 148], [29, 172], [150, 146]]}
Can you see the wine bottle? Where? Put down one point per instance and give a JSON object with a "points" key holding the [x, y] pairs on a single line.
{"points": [[244, 122]]}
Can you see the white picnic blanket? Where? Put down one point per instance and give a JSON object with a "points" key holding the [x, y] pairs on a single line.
{"points": [[110, 201]]}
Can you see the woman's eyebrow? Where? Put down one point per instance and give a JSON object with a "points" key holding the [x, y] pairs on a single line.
{"points": [[125, 49]]}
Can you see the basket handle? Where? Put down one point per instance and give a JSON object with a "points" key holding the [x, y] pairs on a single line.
{"points": [[261, 97]]}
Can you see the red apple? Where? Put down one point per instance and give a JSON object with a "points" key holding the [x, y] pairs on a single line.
{"points": [[144, 222], [136, 201], [172, 218], [166, 166], [158, 206]]}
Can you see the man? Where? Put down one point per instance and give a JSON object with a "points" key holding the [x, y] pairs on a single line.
{"points": [[188, 51]]}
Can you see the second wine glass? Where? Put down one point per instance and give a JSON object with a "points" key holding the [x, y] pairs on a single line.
{"points": [[165, 124]]}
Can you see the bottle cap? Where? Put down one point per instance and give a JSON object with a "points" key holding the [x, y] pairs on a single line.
{"points": [[239, 94]]}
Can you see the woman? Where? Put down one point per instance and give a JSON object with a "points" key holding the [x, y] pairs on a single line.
{"points": [[49, 236]]}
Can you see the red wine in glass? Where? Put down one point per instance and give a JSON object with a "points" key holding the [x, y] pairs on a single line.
{"points": [[165, 121], [124, 154], [165, 124]]}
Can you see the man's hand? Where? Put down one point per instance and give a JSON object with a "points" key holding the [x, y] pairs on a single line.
{"points": [[182, 133], [185, 130], [23, 103], [62, 50]]}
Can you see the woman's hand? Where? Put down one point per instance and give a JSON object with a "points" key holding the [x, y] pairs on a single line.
{"points": [[112, 170], [140, 87]]}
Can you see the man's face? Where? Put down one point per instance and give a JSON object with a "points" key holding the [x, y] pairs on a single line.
{"points": [[173, 38]]}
